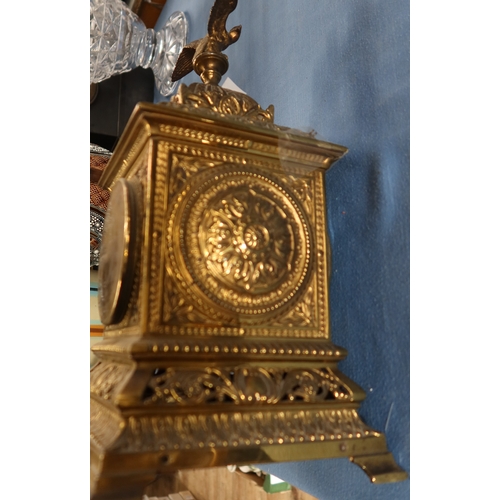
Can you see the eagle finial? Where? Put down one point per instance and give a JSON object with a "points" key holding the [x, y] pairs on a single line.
{"points": [[213, 64]]}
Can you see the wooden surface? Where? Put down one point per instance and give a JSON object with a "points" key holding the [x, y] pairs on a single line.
{"points": [[218, 483]]}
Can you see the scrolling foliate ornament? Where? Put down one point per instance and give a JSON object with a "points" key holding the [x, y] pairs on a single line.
{"points": [[183, 168], [302, 186], [247, 239], [178, 308], [302, 314], [244, 240], [106, 376], [220, 101], [206, 58], [245, 386]]}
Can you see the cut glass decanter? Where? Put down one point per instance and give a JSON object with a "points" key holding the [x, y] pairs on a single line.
{"points": [[120, 42]]}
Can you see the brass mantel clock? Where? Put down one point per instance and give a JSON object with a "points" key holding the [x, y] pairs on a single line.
{"points": [[214, 293]]}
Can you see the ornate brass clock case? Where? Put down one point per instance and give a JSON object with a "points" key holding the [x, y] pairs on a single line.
{"points": [[217, 346]]}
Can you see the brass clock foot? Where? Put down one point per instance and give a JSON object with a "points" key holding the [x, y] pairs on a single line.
{"points": [[380, 468]]}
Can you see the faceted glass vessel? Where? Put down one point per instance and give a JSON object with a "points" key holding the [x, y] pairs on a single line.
{"points": [[120, 42]]}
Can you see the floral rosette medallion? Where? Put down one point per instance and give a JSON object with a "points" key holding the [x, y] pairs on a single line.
{"points": [[244, 243]]}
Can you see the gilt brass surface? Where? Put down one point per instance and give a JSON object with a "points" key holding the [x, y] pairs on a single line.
{"points": [[220, 350], [205, 55], [117, 255]]}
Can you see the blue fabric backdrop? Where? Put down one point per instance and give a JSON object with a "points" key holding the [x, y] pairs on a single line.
{"points": [[341, 67]]}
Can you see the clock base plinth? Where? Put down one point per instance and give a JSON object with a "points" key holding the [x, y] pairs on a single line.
{"points": [[154, 413]]}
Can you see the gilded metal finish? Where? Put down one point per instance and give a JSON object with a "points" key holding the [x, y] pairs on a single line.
{"points": [[243, 245], [217, 101], [117, 255], [245, 385], [223, 354], [205, 55], [219, 353]]}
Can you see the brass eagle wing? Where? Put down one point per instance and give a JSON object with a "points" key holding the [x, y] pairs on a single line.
{"points": [[217, 39], [217, 20]]}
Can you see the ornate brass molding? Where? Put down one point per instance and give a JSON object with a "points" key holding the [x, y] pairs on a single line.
{"points": [[212, 99], [218, 351]]}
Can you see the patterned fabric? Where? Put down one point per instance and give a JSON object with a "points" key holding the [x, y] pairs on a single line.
{"points": [[99, 158], [98, 197]]}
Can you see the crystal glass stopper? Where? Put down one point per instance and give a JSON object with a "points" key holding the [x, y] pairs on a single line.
{"points": [[120, 42]]}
